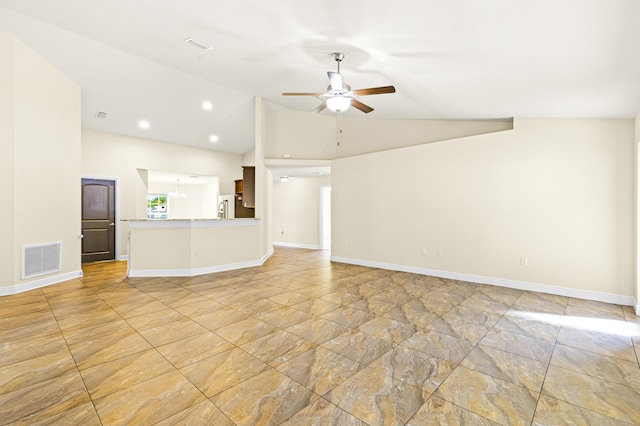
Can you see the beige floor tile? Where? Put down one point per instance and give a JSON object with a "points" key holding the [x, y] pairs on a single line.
{"points": [[453, 325], [412, 312], [551, 411], [358, 346], [323, 412], [21, 374], [376, 398], [348, 317], [529, 347], [202, 413], [277, 347], [109, 377], [43, 400], [483, 302], [530, 324], [319, 369], [439, 345], [415, 368], [147, 402], [83, 414], [245, 331], [387, 329], [164, 369], [438, 412], [222, 371], [316, 307], [172, 331], [492, 398], [107, 348], [506, 366], [194, 348], [599, 342], [604, 397], [599, 366], [317, 330], [266, 399]]}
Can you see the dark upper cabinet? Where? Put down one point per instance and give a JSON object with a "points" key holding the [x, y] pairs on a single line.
{"points": [[249, 187]]}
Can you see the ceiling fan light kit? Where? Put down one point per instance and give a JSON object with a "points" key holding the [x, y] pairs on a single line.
{"points": [[339, 96]]}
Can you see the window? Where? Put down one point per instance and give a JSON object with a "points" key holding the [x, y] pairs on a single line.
{"points": [[157, 207]]}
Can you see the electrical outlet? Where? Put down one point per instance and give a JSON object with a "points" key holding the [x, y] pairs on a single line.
{"points": [[439, 253], [423, 252], [524, 261]]}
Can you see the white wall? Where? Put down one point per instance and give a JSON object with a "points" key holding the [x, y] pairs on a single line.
{"points": [[127, 159], [557, 191], [296, 211], [315, 136], [200, 201], [40, 161]]}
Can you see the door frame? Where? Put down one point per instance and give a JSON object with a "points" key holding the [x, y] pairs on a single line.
{"points": [[116, 197], [321, 216]]}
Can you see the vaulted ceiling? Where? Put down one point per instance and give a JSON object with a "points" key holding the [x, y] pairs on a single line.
{"points": [[457, 59]]}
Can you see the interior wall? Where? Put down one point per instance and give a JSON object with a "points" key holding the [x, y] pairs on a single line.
{"points": [[314, 136], [557, 192], [45, 157], [127, 159], [296, 211], [6, 159], [193, 205], [263, 179]]}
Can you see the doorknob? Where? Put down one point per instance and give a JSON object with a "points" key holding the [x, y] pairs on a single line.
{"points": [[112, 224]]}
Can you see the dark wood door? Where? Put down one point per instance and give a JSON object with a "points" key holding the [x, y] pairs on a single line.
{"points": [[98, 220]]}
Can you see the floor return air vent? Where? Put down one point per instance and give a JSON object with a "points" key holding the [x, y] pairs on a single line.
{"points": [[40, 259]]}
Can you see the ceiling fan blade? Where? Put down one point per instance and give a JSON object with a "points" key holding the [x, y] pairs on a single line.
{"points": [[320, 108], [362, 107], [335, 79], [302, 94], [375, 91]]}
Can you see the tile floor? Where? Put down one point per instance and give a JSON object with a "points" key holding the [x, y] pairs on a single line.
{"points": [[303, 341]]}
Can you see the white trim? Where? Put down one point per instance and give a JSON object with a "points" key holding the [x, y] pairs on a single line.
{"points": [[32, 285], [190, 223], [198, 271], [617, 299], [124, 257], [321, 215], [636, 307], [296, 245]]}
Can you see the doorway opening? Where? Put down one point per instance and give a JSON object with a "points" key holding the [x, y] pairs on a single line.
{"points": [[325, 217]]}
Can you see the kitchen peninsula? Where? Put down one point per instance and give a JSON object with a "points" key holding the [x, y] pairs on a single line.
{"points": [[188, 247]]}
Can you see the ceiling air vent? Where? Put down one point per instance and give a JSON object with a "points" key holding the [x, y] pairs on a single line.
{"points": [[100, 114]]}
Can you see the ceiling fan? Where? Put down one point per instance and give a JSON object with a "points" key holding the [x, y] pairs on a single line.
{"points": [[339, 96]]}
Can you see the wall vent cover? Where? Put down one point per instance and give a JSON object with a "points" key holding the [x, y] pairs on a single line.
{"points": [[40, 259]]}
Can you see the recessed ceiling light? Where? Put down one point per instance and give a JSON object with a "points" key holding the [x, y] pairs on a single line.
{"points": [[284, 178], [213, 138], [207, 106], [144, 124]]}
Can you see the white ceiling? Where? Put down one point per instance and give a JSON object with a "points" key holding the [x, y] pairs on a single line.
{"points": [[447, 59]]}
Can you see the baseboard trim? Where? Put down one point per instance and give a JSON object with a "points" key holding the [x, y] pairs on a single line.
{"points": [[617, 299], [123, 257], [43, 282], [296, 245], [149, 273]]}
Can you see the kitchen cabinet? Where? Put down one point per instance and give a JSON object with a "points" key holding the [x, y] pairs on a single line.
{"points": [[245, 193]]}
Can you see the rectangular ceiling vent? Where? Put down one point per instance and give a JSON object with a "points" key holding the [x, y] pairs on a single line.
{"points": [[100, 114], [40, 259]]}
